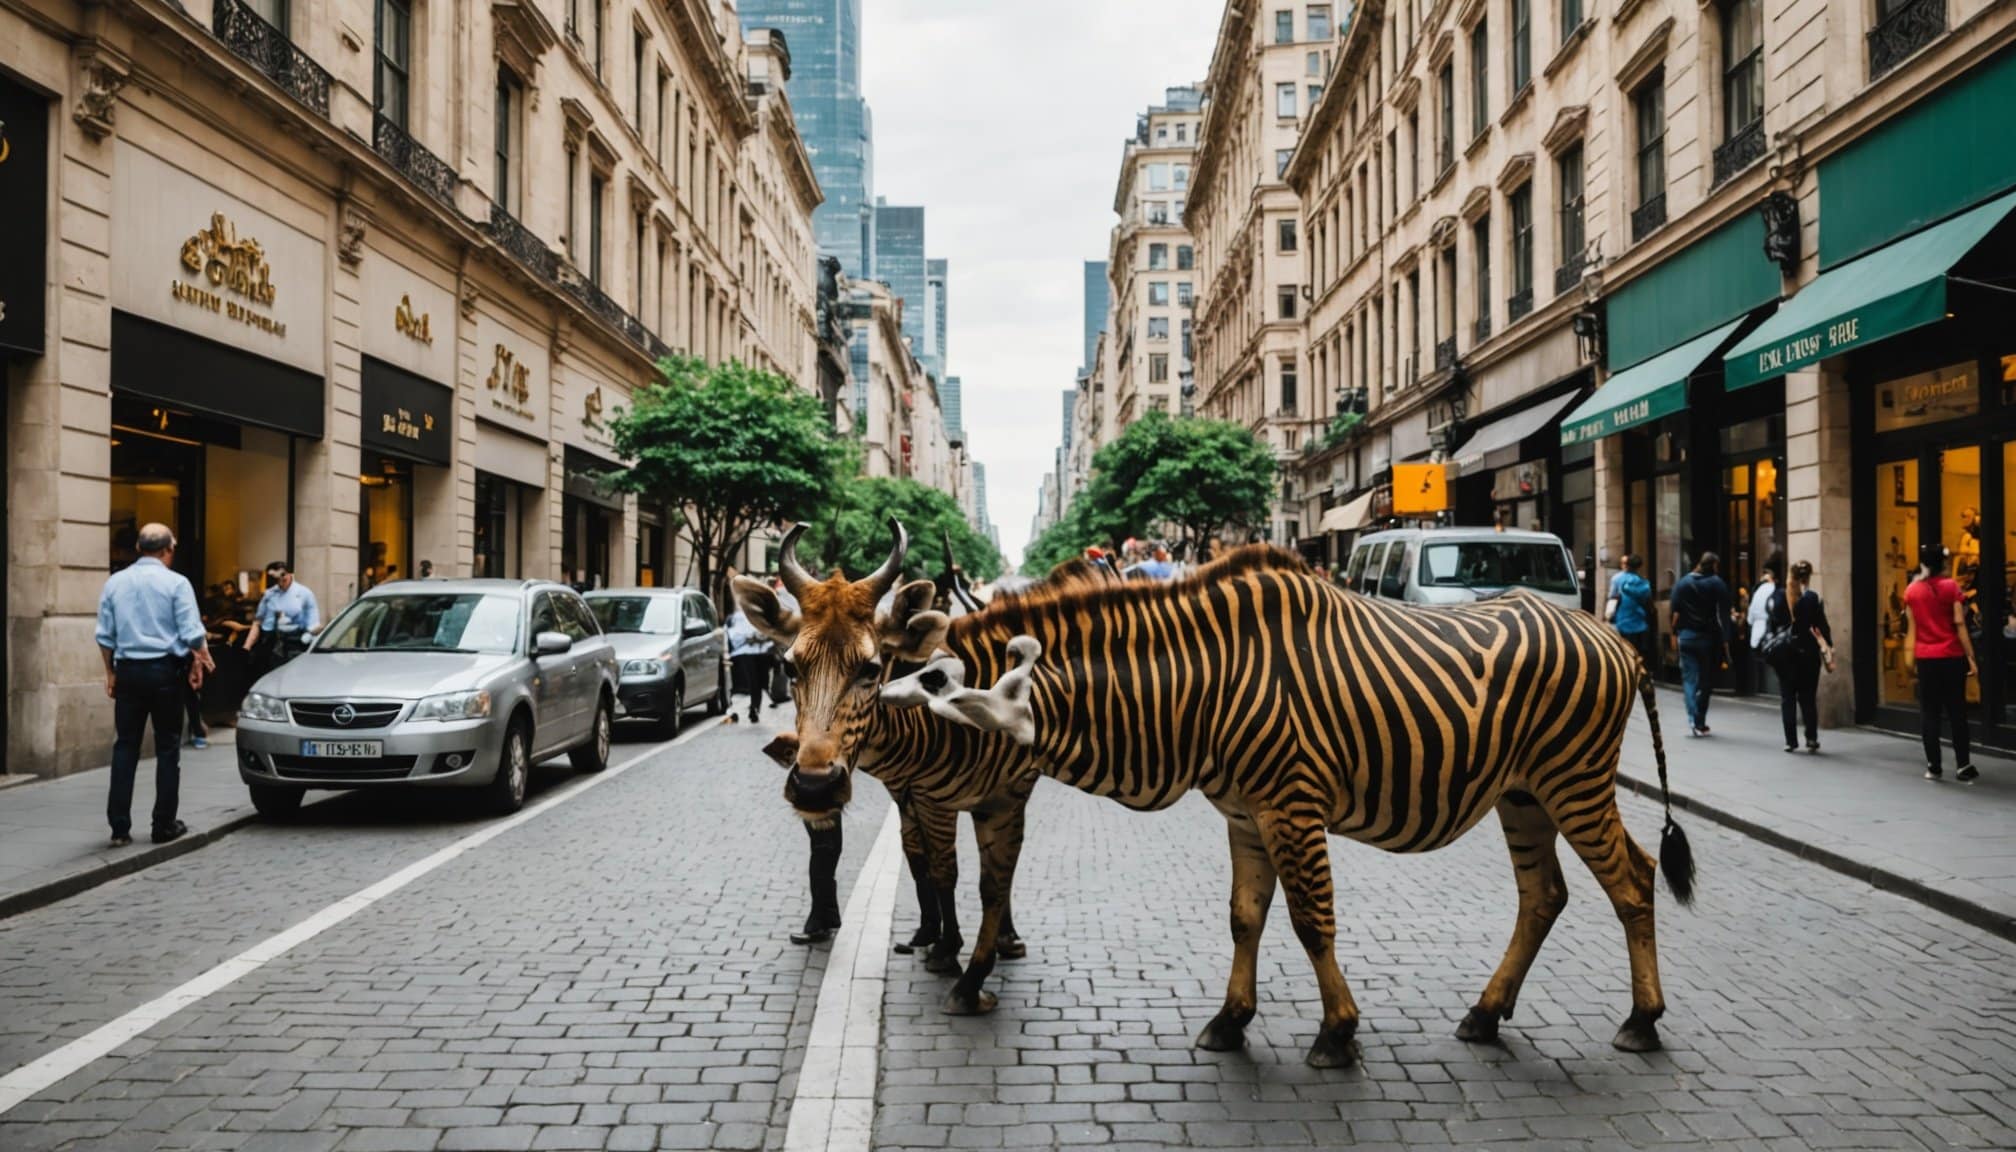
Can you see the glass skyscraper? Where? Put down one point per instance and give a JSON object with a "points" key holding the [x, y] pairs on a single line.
{"points": [[935, 275], [824, 37], [900, 263], [1096, 293], [952, 404]]}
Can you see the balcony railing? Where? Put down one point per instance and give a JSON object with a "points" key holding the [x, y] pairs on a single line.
{"points": [[426, 170], [1517, 305], [1907, 29], [253, 40], [1647, 216], [1739, 151], [1445, 354], [1481, 331], [1569, 274], [523, 246]]}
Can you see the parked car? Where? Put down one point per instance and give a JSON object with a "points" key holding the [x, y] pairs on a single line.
{"points": [[437, 683], [673, 651], [1454, 565]]}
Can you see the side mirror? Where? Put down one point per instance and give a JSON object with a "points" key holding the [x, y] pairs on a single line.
{"points": [[698, 628], [552, 644]]}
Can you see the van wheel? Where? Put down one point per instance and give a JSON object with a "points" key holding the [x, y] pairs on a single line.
{"points": [[675, 713], [505, 793], [276, 802], [594, 755]]}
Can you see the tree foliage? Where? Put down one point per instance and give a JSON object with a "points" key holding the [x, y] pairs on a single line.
{"points": [[853, 535], [733, 449], [1199, 475], [1060, 542]]}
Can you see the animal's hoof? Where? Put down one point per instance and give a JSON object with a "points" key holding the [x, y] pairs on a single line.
{"points": [[1639, 1034], [1012, 950], [1222, 1035], [1479, 1027], [958, 1003], [1335, 1047]]}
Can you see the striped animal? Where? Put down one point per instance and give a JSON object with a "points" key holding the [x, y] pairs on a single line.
{"points": [[1299, 711]]}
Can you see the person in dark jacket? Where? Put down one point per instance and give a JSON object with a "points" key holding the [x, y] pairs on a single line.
{"points": [[1798, 607], [1700, 608]]}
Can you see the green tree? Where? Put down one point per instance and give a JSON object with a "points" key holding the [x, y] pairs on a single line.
{"points": [[1199, 475], [853, 534], [1060, 542], [732, 448]]}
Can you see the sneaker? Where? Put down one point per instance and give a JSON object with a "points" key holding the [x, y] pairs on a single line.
{"points": [[199, 742], [1813, 746], [1932, 772], [173, 831], [1791, 748], [1967, 774], [122, 840]]}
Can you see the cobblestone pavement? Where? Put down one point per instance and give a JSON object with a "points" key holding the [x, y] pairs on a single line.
{"points": [[613, 973], [1806, 1010]]}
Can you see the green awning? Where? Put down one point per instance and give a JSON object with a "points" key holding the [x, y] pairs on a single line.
{"points": [[1872, 297], [1645, 391]]}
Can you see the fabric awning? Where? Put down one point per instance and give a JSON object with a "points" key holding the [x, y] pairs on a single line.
{"points": [[1872, 297], [1645, 391], [1347, 517], [1502, 437]]}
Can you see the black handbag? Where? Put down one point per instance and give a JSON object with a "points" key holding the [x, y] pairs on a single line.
{"points": [[1778, 647]]}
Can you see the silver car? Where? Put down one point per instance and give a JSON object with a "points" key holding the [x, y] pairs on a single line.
{"points": [[436, 683], [673, 651]]}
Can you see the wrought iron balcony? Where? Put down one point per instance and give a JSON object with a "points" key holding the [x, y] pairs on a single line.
{"points": [[523, 246], [1569, 274], [253, 40], [429, 172], [1648, 216], [1907, 29], [1517, 305], [1445, 354], [1739, 151], [1481, 331]]}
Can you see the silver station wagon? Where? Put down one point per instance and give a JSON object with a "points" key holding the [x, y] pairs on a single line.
{"points": [[434, 683]]}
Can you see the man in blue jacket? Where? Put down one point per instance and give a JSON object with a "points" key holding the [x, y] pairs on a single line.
{"points": [[1700, 605], [1631, 594]]}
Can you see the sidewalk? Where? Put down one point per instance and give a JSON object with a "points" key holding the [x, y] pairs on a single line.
{"points": [[54, 841], [1861, 807]]}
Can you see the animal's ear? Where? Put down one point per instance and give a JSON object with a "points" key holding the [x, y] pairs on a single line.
{"points": [[943, 674], [910, 630], [765, 611], [783, 748], [1006, 707]]}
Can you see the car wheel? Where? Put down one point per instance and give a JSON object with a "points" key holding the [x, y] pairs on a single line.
{"points": [[675, 712], [718, 706], [276, 801], [506, 792], [594, 755]]}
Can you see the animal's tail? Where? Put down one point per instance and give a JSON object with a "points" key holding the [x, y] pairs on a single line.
{"points": [[1676, 856]]}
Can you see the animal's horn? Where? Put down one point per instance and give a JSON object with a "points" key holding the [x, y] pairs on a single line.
{"points": [[883, 578], [959, 589], [796, 579]]}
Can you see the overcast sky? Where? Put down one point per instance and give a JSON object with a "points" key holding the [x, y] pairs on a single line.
{"points": [[1005, 119]]}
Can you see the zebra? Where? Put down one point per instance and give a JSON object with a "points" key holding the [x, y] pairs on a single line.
{"points": [[1299, 710]]}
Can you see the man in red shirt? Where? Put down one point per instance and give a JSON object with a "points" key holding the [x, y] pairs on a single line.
{"points": [[1943, 652]]}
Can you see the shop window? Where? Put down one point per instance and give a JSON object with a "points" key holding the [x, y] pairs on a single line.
{"points": [[1930, 397], [1896, 537], [384, 521], [1960, 530]]}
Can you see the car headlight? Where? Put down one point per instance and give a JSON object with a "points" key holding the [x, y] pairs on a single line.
{"points": [[259, 706], [644, 668], [453, 706]]}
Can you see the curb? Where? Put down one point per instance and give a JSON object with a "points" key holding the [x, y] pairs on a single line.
{"points": [[1979, 915], [86, 879]]}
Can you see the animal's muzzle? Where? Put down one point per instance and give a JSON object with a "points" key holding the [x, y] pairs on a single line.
{"points": [[824, 792]]}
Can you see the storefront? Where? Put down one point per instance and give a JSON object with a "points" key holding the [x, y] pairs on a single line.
{"points": [[24, 276], [513, 418], [591, 520], [596, 549], [407, 422]]}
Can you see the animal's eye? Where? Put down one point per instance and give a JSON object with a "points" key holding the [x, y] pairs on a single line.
{"points": [[933, 679], [870, 672]]}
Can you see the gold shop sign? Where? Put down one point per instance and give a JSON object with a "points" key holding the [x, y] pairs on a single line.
{"points": [[402, 424], [417, 326], [230, 267], [510, 384]]}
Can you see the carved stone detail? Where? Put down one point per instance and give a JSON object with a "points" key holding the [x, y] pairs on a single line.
{"points": [[350, 225], [101, 73]]}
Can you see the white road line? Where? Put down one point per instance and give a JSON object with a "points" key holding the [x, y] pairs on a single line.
{"points": [[25, 1081], [834, 1109]]}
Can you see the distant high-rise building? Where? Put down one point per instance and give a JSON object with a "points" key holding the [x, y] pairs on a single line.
{"points": [[1096, 290], [825, 89], [1070, 404], [934, 333], [900, 263], [982, 521], [952, 405]]}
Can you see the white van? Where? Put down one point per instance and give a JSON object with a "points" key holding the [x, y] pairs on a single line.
{"points": [[1455, 565]]}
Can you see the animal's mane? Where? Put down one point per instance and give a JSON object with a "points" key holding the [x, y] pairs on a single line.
{"points": [[1078, 584]]}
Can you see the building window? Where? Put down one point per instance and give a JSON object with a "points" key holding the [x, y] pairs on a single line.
{"points": [[1288, 384], [595, 35], [1158, 368], [1522, 45], [1313, 64], [1183, 295], [1161, 133], [1185, 328], [1182, 174], [1284, 27], [1158, 211], [1284, 101], [1281, 159], [1446, 140], [1158, 256], [1480, 79], [1569, 171], [274, 12], [637, 79], [1176, 214], [1319, 22], [664, 111], [1285, 233], [508, 90], [637, 273], [598, 192], [1315, 96], [1742, 65], [1186, 258], [1522, 239], [1414, 154], [394, 51], [1480, 261], [1285, 300], [1182, 133], [1649, 105], [1158, 293], [1571, 18], [1158, 327], [1158, 177]]}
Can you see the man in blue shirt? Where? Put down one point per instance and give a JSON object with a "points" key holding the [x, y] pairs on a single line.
{"points": [[1700, 605], [1632, 595], [287, 612], [151, 637], [1157, 568]]}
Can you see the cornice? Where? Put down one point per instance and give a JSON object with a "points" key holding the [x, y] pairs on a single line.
{"points": [[1517, 170], [1650, 54], [1569, 124]]}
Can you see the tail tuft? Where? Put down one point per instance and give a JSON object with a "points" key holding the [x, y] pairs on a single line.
{"points": [[1676, 861]]}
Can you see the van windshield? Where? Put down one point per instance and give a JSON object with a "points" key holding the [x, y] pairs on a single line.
{"points": [[1541, 565]]}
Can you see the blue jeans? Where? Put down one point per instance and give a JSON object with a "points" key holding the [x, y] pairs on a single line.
{"points": [[1697, 676]]}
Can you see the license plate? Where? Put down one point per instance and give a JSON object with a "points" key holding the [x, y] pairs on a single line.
{"points": [[343, 749]]}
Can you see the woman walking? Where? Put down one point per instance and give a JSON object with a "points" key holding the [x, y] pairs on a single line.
{"points": [[1943, 651], [1797, 607]]}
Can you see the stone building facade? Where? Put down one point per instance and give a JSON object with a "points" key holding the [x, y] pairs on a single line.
{"points": [[1152, 262]]}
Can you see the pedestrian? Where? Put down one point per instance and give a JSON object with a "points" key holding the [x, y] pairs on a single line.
{"points": [[780, 670], [1159, 566], [1758, 614], [1798, 608], [1629, 608], [152, 640], [1942, 650], [288, 615], [426, 569], [1700, 608], [748, 662]]}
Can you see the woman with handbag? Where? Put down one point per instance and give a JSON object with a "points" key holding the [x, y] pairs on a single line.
{"points": [[1799, 643]]}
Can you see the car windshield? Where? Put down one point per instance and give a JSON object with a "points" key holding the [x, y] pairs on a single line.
{"points": [[654, 615], [1537, 564], [426, 622]]}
